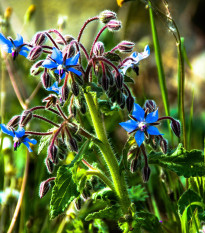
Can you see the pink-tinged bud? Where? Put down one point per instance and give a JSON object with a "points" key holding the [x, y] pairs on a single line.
{"points": [[164, 145], [46, 79], [37, 68], [125, 46], [130, 103], [114, 25], [44, 187], [75, 88], [52, 153], [106, 16], [65, 92], [119, 80], [39, 38], [35, 53], [26, 116], [150, 105], [99, 48], [176, 127], [49, 165], [73, 144], [146, 173], [13, 122]]}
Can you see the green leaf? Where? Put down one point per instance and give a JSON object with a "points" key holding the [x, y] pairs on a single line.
{"points": [[44, 142], [184, 163], [127, 79], [63, 192], [112, 56], [113, 213], [187, 198], [137, 193]]}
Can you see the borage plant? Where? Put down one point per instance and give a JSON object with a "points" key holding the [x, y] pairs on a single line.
{"points": [[85, 88]]}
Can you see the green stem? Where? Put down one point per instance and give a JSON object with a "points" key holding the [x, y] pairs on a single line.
{"points": [[102, 177], [108, 154], [181, 80], [158, 58]]}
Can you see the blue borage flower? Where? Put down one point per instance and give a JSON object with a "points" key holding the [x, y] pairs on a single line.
{"points": [[14, 47], [18, 137], [134, 59], [141, 124], [61, 66], [55, 88]]}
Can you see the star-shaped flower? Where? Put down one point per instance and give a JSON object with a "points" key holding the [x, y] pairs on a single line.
{"points": [[18, 137], [134, 59], [141, 124], [60, 65], [14, 47]]}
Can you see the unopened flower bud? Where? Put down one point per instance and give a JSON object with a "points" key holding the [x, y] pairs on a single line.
{"points": [[110, 76], [150, 105], [85, 194], [123, 102], [114, 25], [39, 38], [26, 116], [146, 173], [77, 203], [175, 125], [99, 48], [105, 83], [13, 122], [134, 164], [37, 68], [73, 144], [35, 53], [119, 80], [65, 92], [52, 153], [49, 165], [164, 145], [82, 105], [7, 13], [46, 79], [130, 103], [106, 16], [67, 38], [125, 46], [75, 88], [51, 100], [44, 187]]}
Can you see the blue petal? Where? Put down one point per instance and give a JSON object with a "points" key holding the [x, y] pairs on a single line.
{"points": [[18, 41], [75, 71], [73, 60], [129, 126], [4, 41], [32, 141], [49, 64], [139, 137], [134, 55], [27, 145], [152, 117], [152, 130], [20, 132], [57, 55], [6, 131], [138, 112], [23, 53], [7, 48], [54, 88]]}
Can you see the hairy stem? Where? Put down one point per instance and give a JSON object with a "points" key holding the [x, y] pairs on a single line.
{"points": [[108, 154]]}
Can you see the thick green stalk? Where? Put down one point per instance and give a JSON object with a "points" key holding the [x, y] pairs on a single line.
{"points": [[158, 58], [108, 154]]}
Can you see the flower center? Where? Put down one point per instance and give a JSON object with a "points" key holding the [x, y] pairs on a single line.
{"points": [[142, 126], [60, 68]]}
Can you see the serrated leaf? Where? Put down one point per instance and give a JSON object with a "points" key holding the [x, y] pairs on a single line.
{"points": [[105, 194], [184, 163], [113, 213], [43, 143], [112, 56], [63, 192]]}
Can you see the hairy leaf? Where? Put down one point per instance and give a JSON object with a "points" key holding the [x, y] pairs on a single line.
{"points": [[43, 143], [184, 163], [63, 192], [112, 56], [113, 212]]}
